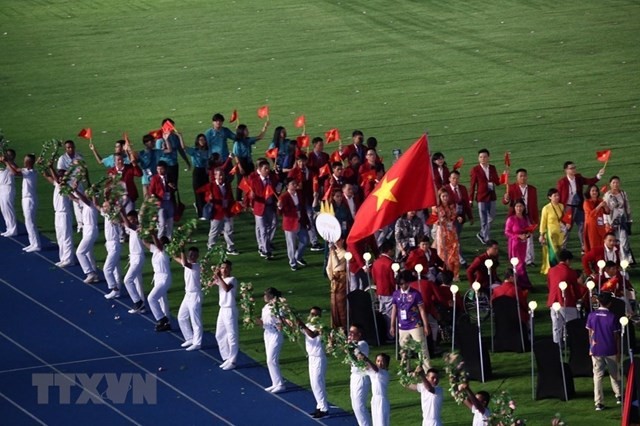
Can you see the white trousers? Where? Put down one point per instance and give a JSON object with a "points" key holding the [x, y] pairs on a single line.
{"points": [[190, 317], [380, 410], [7, 196], [64, 236], [158, 301], [296, 243], [227, 334], [133, 279], [317, 372], [359, 387], [84, 252], [558, 321], [111, 267], [225, 227], [29, 205], [77, 211], [266, 228], [272, 346]]}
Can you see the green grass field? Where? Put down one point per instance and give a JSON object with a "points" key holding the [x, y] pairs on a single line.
{"points": [[548, 81]]}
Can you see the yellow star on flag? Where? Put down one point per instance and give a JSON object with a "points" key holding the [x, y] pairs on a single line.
{"points": [[384, 192]]}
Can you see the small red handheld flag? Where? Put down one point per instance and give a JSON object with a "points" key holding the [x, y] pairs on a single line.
{"points": [[324, 171], [507, 159], [263, 112], [85, 133], [302, 141], [458, 164], [332, 135], [335, 157], [268, 192], [567, 217], [272, 153], [603, 156], [236, 208], [245, 186], [531, 228], [604, 188], [234, 116], [157, 134], [167, 127], [300, 122], [233, 170], [504, 178], [368, 176]]}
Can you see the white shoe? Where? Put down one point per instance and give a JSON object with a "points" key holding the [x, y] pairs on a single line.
{"points": [[278, 389], [186, 344], [113, 294], [26, 248], [229, 366], [193, 348], [32, 249], [91, 278], [270, 388], [64, 264]]}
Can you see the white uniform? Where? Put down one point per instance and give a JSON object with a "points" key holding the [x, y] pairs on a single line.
{"points": [[227, 323], [317, 369], [84, 252], [431, 405], [190, 312], [7, 196], [272, 345], [29, 205], [359, 389], [63, 211], [480, 419], [133, 279], [64, 163], [112, 234], [380, 408], [157, 298]]}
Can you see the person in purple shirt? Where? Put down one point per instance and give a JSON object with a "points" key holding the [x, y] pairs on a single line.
{"points": [[604, 348], [409, 314]]}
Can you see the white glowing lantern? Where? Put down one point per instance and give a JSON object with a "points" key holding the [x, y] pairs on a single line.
{"points": [[419, 268], [488, 263], [454, 289], [348, 256], [395, 267], [514, 261], [624, 264], [533, 305], [367, 257], [556, 306], [475, 286], [591, 285], [562, 285], [624, 321], [601, 264]]}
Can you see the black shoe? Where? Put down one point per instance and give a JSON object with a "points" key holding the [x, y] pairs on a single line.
{"points": [[321, 414], [233, 252], [137, 308], [163, 326], [294, 268], [317, 247], [269, 256], [480, 238], [262, 254], [315, 413], [599, 407], [618, 400], [301, 262]]}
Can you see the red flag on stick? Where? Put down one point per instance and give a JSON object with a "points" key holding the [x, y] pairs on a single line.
{"points": [[234, 116], [567, 217], [603, 156], [268, 191], [272, 153], [236, 208], [507, 159], [531, 228], [332, 135], [504, 178], [300, 121], [302, 141], [245, 186], [458, 164], [433, 218], [335, 157], [263, 112], [368, 176], [401, 190], [167, 127], [604, 188], [233, 170], [157, 134], [324, 171], [86, 133]]}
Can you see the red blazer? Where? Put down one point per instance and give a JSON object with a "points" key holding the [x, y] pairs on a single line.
{"points": [[478, 272], [515, 194], [573, 293], [350, 149], [441, 181], [315, 161], [508, 289], [480, 184], [129, 172], [590, 259], [293, 217], [221, 205], [462, 201], [258, 192], [417, 255], [383, 276], [307, 182], [157, 189], [563, 189]]}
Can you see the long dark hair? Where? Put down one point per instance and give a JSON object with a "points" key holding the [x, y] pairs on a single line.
{"points": [[272, 292]]}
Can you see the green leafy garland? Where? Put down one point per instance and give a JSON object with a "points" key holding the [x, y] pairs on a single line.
{"points": [[4, 143], [181, 237], [247, 305], [113, 193], [405, 373], [454, 366], [214, 257], [48, 155], [77, 171], [503, 412], [280, 308], [338, 345], [148, 217]]}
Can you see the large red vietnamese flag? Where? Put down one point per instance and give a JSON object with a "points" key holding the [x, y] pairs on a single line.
{"points": [[407, 186]]}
